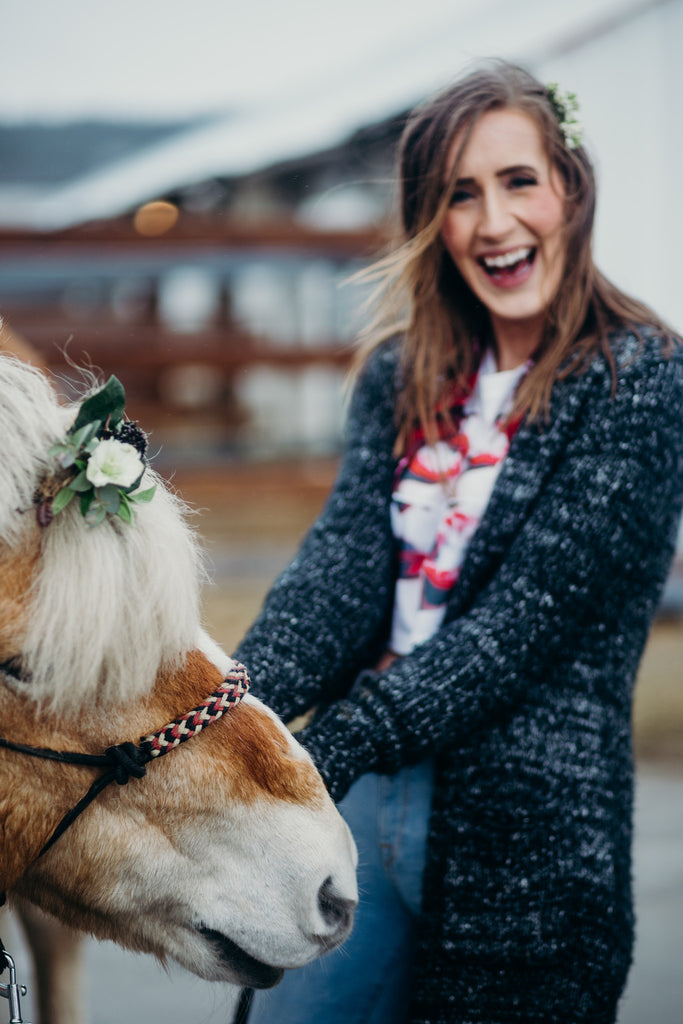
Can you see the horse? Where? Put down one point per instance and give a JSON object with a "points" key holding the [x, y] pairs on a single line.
{"points": [[228, 856]]}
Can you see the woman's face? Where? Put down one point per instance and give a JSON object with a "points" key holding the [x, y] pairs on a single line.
{"points": [[504, 228]]}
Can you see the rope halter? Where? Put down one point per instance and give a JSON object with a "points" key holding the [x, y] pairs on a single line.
{"points": [[128, 760]]}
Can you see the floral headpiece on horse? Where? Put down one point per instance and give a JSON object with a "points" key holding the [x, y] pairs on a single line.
{"points": [[102, 460]]}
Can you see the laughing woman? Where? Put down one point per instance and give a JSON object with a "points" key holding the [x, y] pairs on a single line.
{"points": [[469, 611]]}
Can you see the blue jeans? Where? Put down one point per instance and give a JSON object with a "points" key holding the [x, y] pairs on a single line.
{"points": [[369, 979]]}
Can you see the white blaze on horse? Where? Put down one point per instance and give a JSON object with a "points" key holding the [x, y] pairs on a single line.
{"points": [[228, 855]]}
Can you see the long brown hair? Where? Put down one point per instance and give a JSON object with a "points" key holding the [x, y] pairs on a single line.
{"points": [[422, 296]]}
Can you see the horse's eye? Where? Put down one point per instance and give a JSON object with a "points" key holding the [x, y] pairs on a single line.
{"points": [[13, 667]]}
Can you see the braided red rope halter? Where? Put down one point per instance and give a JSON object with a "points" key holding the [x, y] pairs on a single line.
{"points": [[128, 760], [124, 761], [229, 693]]}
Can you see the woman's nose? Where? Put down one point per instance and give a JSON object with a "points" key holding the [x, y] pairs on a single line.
{"points": [[496, 217]]}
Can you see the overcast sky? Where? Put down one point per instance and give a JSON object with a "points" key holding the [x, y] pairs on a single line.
{"points": [[170, 58]]}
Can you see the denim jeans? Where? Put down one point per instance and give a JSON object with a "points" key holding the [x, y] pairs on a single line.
{"points": [[369, 979]]}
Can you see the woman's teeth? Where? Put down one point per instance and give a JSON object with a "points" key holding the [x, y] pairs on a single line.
{"points": [[507, 259]]}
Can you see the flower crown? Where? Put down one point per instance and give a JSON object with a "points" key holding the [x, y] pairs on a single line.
{"points": [[566, 107], [102, 459]]}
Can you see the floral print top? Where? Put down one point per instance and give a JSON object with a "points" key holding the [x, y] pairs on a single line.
{"points": [[440, 495]]}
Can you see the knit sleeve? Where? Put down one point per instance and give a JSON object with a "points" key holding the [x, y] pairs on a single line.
{"points": [[328, 611], [592, 555]]}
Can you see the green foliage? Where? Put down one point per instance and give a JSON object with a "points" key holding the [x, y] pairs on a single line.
{"points": [[106, 405], [102, 411]]}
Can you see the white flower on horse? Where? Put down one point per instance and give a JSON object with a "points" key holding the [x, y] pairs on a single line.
{"points": [[114, 462], [102, 459]]}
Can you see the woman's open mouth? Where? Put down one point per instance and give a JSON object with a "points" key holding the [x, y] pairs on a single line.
{"points": [[510, 268], [252, 972]]}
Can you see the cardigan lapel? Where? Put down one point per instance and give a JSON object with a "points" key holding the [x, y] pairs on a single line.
{"points": [[527, 465]]}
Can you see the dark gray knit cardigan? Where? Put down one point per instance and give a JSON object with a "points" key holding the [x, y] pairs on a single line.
{"points": [[524, 693]]}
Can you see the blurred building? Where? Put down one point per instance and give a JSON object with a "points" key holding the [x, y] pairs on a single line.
{"points": [[230, 339], [203, 260]]}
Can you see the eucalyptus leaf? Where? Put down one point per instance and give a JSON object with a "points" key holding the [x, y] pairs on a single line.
{"points": [[81, 436], [125, 511], [110, 498], [142, 497], [106, 404], [87, 499], [57, 449], [96, 513], [64, 456], [62, 499], [80, 483], [91, 439]]}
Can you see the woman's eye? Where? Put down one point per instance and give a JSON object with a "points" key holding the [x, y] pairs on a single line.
{"points": [[460, 195], [522, 181]]}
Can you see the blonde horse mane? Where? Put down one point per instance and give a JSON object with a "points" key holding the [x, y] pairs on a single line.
{"points": [[111, 605]]}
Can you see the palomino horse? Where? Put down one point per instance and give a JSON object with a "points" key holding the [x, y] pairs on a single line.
{"points": [[228, 856]]}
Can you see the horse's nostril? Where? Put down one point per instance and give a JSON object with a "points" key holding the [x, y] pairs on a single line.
{"points": [[336, 911]]}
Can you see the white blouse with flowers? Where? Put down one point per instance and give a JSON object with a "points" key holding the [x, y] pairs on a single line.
{"points": [[438, 501]]}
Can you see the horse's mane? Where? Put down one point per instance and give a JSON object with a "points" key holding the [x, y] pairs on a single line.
{"points": [[111, 605]]}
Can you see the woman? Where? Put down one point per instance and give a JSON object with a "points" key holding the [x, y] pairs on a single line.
{"points": [[486, 569]]}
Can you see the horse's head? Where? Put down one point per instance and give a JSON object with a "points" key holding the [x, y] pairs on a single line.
{"points": [[228, 855]]}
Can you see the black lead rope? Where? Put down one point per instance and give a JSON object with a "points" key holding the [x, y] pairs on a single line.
{"points": [[125, 761], [128, 760], [243, 1006]]}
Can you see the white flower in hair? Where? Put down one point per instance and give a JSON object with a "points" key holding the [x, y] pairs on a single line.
{"points": [[114, 462], [566, 107]]}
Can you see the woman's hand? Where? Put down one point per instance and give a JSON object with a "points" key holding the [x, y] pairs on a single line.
{"points": [[387, 659]]}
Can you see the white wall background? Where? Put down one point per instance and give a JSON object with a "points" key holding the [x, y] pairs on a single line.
{"points": [[295, 69], [630, 86]]}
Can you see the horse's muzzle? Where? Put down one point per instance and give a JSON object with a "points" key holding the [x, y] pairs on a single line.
{"points": [[337, 913]]}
